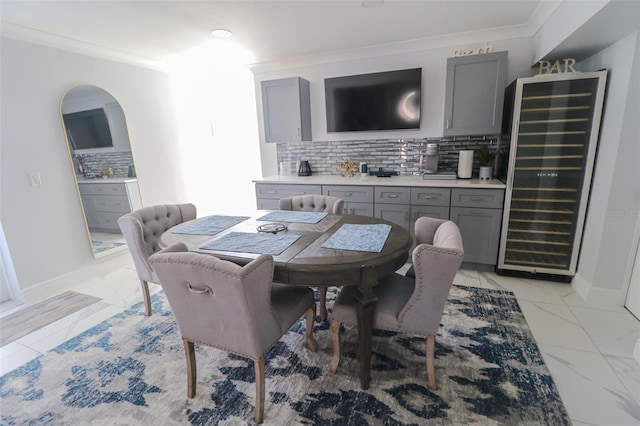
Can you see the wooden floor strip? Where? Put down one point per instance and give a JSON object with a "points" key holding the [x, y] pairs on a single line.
{"points": [[34, 317]]}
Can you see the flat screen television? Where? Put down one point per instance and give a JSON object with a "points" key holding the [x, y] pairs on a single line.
{"points": [[88, 129], [379, 101]]}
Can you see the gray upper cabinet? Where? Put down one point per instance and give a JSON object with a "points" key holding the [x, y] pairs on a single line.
{"points": [[474, 94], [286, 110]]}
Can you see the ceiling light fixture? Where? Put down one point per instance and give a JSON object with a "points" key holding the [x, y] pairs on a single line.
{"points": [[371, 3], [220, 33]]}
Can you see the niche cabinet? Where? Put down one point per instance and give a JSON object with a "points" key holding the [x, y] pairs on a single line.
{"points": [[286, 110], [474, 94]]}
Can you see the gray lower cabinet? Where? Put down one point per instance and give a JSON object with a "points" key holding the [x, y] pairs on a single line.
{"points": [[359, 209], [430, 202], [358, 200], [392, 203], [268, 195], [478, 214], [104, 203]]}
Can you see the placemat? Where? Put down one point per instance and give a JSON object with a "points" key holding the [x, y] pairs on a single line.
{"points": [[252, 243], [211, 225], [289, 216], [359, 237]]}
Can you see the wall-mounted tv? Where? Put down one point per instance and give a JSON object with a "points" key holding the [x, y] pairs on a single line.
{"points": [[379, 101], [88, 129]]}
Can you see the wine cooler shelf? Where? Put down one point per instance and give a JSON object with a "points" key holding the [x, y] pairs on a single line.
{"points": [[551, 145]]}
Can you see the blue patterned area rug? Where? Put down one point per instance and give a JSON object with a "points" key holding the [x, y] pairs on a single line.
{"points": [[131, 369]]}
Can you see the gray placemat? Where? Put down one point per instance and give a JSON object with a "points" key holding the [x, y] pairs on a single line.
{"points": [[289, 216], [359, 237], [247, 242], [211, 225]]}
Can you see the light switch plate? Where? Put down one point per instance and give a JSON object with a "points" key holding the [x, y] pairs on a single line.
{"points": [[35, 179]]}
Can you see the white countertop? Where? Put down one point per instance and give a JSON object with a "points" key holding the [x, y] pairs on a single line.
{"points": [[388, 181], [100, 179]]}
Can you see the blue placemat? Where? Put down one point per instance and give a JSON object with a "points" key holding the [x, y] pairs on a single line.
{"points": [[289, 216], [252, 243], [211, 225], [359, 237]]}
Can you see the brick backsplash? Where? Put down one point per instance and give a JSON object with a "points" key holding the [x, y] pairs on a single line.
{"points": [[118, 161], [400, 155]]}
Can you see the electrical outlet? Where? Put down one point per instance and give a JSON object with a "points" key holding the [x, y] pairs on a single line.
{"points": [[35, 179]]}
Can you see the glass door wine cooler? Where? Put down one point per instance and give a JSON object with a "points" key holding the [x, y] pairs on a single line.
{"points": [[552, 136]]}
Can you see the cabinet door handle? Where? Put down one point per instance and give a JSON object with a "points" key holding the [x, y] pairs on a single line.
{"points": [[406, 216], [298, 131], [448, 123]]}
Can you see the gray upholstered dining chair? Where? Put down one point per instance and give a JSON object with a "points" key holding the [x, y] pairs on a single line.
{"points": [[142, 230], [230, 307], [314, 203], [408, 305]]}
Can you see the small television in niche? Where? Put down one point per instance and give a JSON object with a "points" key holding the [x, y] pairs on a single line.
{"points": [[88, 129], [379, 101]]}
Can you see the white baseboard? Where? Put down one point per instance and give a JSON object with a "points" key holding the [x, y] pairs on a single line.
{"points": [[595, 295], [53, 286]]}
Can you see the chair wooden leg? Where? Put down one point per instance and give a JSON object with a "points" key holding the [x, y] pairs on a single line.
{"points": [[259, 367], [146, 296], [312, 343], [335, 336], [322, 303], [190, 354], [431, 373]]}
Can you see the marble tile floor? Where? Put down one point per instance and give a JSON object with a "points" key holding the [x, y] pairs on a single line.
{"points": [[588, 349]]}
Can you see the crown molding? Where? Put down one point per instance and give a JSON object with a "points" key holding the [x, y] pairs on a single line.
{"points": [[31, 35], [544, 10]]}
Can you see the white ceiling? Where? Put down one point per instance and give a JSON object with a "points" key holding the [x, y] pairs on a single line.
{"points": [[156, 32]]}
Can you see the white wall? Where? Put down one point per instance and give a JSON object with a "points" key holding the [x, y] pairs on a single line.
{"points": [[610, 235], [193, 138], [433, 63], [610, 239], [43, 224]]}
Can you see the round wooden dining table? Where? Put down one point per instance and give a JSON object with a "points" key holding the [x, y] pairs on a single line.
{"points": [[306, 262]]}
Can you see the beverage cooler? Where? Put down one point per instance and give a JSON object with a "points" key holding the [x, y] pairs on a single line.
{"points": [[547, 150]]}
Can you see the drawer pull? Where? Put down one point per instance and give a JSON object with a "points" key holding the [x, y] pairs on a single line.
{"points": [[271, 192], [478, 199], [301, 193], [430, 197], [393, 195]]}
